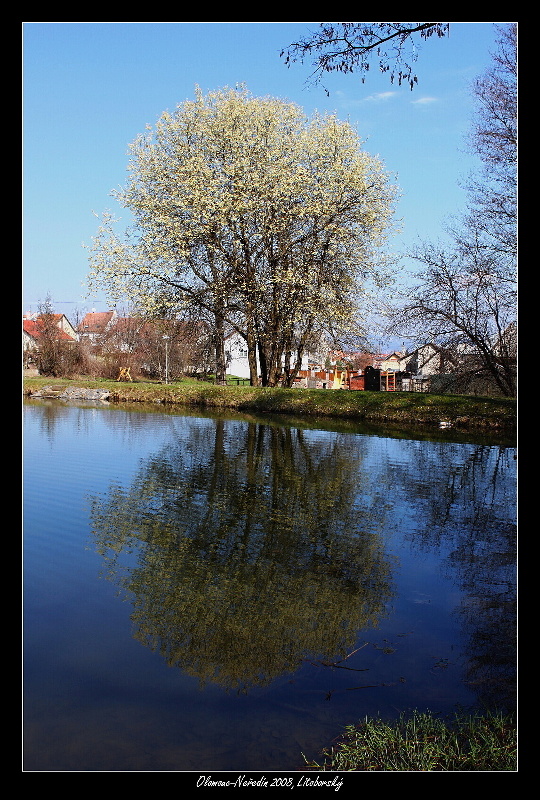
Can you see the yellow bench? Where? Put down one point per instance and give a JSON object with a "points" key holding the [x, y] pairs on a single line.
{"points": [[124, 375]]}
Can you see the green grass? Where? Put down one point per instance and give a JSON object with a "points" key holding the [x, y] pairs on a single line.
{"points": [[409, 408], [425, 743]]}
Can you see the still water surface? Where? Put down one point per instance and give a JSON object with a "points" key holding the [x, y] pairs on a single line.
{"points": [[224, 593]]}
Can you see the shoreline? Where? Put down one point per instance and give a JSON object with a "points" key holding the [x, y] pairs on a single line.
{"points": [[461, 412]]}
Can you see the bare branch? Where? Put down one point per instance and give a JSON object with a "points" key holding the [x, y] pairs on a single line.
{"points": [[351, 46]]}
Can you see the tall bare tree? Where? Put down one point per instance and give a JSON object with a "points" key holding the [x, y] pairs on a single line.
{"points": [[465, 295], [492, 190]]}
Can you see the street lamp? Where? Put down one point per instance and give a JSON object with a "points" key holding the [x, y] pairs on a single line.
{"points": [[166, 340]]}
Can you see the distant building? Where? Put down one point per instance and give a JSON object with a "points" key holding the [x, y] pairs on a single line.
{"points": [[95, 324], [430, 359], [237, 362], [236, 356], [388, 361], [34, 328]]}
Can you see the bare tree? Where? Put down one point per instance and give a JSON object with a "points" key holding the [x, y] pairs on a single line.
{"points": [[57, 355], [465, 296], [461, 304], [492, 190]]}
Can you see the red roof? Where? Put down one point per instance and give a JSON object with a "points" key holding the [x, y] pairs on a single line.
{"points": [[96, 321], [35, 329]]}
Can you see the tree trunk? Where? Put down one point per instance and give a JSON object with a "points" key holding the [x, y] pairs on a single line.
{"points": [[219, 339], [251, 342], [263, 364]]}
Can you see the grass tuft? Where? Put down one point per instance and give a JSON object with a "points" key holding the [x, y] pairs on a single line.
{"points": [[423, 742]]}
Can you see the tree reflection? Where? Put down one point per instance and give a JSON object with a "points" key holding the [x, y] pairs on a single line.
{"points": [[472, 516], [248, 551]]}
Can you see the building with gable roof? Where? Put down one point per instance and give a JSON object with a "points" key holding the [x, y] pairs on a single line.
{"points": [[95, 324], [34, 329]]}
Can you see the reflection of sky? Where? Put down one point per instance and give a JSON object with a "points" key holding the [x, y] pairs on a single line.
{"points": [[108, 447]]}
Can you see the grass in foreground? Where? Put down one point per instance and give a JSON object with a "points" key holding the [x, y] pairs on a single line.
{"points": [[425, 743]]}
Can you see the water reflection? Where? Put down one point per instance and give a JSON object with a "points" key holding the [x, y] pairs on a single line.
{"points": [[242, 546], [246, 547], [252, 552], [471, 518]]}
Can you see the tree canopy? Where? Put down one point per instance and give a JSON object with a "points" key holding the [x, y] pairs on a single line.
{"points": [[268, 222]]}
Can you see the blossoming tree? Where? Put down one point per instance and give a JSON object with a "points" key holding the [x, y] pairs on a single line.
{"points": [[251, 214]]}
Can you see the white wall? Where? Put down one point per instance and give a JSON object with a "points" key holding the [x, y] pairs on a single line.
{"points": [[236, 356]]}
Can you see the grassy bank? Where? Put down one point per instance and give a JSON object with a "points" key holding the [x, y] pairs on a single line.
{"points": [[425, 743], [410, 408]]}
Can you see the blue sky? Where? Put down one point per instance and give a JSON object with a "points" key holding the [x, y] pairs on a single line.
{"points": [[90, 88]]}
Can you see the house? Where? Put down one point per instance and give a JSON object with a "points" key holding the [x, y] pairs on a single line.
{"points": [[124, 334], [149, 342], [388, 361], [505, 344], [430, 359], [95, 324], [34, 327], [60, 320], [236, 356]]}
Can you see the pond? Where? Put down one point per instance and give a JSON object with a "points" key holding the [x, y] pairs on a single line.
{"points": [[224, 593]]}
